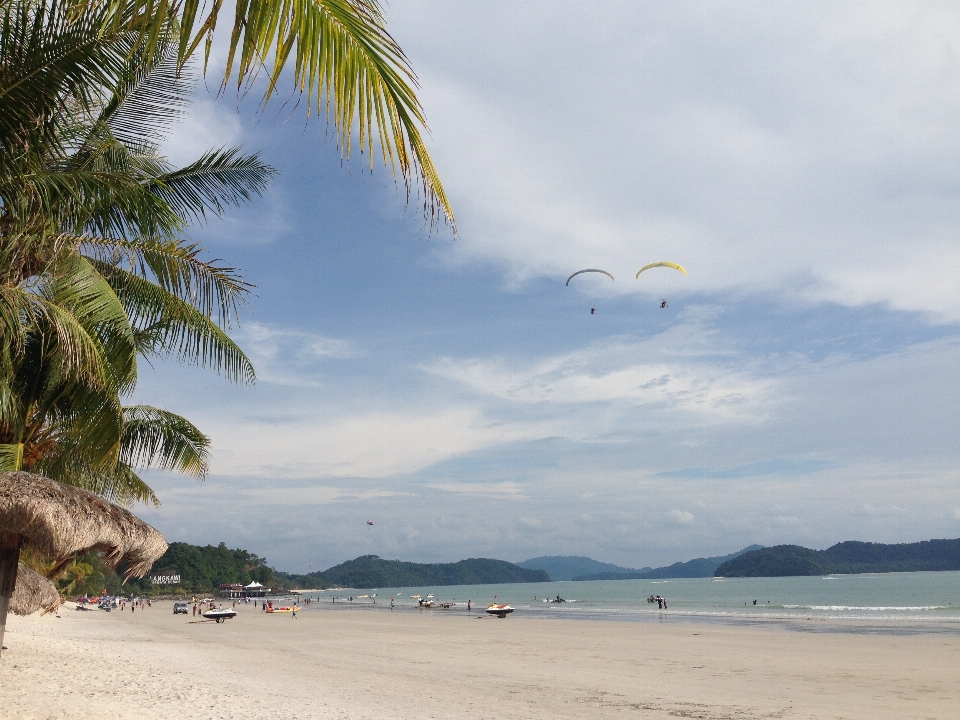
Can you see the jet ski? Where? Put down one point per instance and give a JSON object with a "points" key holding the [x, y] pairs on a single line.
{"points": [[500, 611], [220, 615]]}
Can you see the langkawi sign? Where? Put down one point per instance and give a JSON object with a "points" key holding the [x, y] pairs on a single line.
{"points": [[165, 579]]}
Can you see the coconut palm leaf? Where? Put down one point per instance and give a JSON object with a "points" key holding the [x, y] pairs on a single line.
{"points": [[11, 457], [78, 349], [77, 287], [157, 438], [219, 177], [345, 65], [169, 326], [176, 267]]}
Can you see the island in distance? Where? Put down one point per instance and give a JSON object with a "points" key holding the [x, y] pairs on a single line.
{"points": [[571, 567], [846, 558], [575, 567]]}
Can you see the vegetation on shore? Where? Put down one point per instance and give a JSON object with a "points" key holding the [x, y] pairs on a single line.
{"points": [[848, 558]]}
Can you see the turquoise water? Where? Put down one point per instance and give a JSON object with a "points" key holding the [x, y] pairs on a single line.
{"points": [[889, 602]]}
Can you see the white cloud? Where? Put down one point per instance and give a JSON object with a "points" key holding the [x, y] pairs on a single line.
{"points": [[373, 444], [681, 517], [207, 125], [791, 148]]}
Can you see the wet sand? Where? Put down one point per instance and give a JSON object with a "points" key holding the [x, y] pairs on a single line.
{"points": [[357, 664]]}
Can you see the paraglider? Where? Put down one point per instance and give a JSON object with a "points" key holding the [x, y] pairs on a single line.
{"points": [[589, 270], [659, 264], [369, 522]]}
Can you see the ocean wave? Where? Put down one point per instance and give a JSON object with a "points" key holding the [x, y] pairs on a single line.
{"points": [[871, 608]]}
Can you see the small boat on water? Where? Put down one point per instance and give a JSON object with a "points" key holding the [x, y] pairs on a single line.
{"points": [[220, 615], [501, 611]]}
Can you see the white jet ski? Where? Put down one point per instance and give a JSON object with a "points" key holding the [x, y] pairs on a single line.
{"points": [[500, 611], [220, 615]]}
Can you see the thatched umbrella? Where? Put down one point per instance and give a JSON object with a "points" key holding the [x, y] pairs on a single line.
{"points": [[61, 522], [33, 592]]}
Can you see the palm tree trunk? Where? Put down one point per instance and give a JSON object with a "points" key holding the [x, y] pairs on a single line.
{"points": [[9, 557]]}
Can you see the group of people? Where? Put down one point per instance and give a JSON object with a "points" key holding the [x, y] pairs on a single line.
{"points": [[660, 601]]}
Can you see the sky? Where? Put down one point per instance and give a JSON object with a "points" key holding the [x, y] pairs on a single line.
{"points": [[799, 159]]}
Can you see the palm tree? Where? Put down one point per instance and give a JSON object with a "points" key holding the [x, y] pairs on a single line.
{"points": [[345, 66], [80, 299]]}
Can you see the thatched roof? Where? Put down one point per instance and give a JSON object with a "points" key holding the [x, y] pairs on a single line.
{"points": [[60, 522], [33, 592]]}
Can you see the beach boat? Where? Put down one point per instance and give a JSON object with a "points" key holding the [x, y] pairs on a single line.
{"points": [[220, 615], [284, 609], [427, 603], [501, 611]]}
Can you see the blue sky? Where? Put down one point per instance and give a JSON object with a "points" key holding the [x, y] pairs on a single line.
{"points": [[798, 158]]}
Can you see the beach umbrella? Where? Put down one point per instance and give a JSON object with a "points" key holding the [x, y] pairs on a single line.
{"points": [[33, 592], [61, 522]]}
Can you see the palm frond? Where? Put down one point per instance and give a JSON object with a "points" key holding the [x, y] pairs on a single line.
{"points": [[157, 438], [177, 267], [77, 287], [174, 327], [345, 64], [219, 177]]}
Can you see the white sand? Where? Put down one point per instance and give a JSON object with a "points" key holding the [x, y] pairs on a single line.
{"points": [[354, 664]]}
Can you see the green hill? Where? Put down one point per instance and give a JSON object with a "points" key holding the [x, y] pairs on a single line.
{"points": [[569, 567], [203, 568], [697, 568], [850, 557], [370, 571]]}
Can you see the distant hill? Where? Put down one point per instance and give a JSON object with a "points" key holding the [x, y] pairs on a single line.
{"points": [[568, 567], [370, 571], [203, 568], [700, 567], [845, 558]]}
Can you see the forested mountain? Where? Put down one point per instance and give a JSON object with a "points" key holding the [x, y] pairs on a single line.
{"points": [[370, 571], [569, 567], [203, 568], [845, 558], [699, 567]]}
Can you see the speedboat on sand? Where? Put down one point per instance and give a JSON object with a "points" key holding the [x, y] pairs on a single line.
{"points": [[220, 615], [500, 611]]}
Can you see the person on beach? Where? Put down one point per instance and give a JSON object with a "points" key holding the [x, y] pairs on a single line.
{"points": [[468, 606], [294, 612], [391, 603]]}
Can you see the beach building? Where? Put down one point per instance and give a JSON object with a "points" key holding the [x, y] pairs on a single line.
{"points": [[231, 590], [236, 590], [254, 589]]}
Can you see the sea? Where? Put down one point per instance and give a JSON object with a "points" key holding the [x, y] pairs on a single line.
{"points": [[887, 603]]}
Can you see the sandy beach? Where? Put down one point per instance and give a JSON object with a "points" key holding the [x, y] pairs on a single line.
{"points": [[357, 664]]}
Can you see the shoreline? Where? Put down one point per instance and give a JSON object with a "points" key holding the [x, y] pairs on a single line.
{"points": [[893, 626], [360, 665]]}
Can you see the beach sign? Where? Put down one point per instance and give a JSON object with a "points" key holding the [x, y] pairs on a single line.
{"points": [[165, 579]]}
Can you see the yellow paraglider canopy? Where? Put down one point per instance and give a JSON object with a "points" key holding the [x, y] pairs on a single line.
{"points": [[661, 264]]}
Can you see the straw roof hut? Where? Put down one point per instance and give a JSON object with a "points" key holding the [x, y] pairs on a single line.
{"points": [[33, 592], [61, 522]]}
